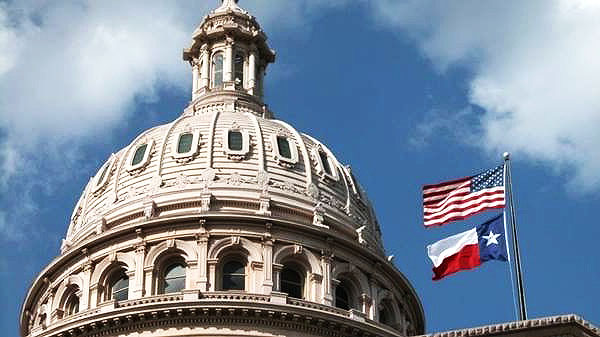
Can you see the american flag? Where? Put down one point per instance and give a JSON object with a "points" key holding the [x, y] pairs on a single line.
{"points": [[458, 199]]}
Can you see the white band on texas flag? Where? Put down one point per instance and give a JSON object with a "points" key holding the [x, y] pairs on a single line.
{"points": [[469, 249]]}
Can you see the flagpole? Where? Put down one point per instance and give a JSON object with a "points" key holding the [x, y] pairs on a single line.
{"points": [[510, 264], [515, 239]]}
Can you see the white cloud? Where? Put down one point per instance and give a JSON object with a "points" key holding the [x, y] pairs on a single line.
{"points": [[535, 72]]}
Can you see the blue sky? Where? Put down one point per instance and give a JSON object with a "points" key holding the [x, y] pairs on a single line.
{"points": [[407, 92]]}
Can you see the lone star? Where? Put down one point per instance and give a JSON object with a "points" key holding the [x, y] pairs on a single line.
{"points": [[491, 238]]}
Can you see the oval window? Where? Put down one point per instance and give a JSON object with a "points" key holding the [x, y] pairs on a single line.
{"points": [[235, 140], [185, 143], [283, 146], [139, 154]]}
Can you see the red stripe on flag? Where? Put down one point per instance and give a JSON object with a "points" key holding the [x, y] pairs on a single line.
{"points": [[447, 205], [460, 217], [466, 258], [449, 182]]}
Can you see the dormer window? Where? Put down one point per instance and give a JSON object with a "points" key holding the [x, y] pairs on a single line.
{"points": [[141, 156], [217, 65], [325, 165], [186, 145], [325, 162], [238, 70], [286, 152], [236, 140], [237, 143], [103, 174]]}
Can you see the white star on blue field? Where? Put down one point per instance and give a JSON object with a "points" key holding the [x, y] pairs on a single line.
{"points": [[408, 92]]}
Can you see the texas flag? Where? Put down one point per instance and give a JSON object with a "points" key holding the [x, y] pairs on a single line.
{"points": [[469, 249]]}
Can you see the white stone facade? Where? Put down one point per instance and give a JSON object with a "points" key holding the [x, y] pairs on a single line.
{"points": [[223, 185]]}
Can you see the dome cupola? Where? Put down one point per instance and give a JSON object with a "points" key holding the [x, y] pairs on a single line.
{"points": [[229, 54]]}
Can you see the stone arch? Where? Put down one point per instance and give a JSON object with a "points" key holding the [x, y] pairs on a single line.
{"points": [[297, 251], [386, 295], [220, 246], [64, 290], [107, 264], [187, 249], [354, 274]]}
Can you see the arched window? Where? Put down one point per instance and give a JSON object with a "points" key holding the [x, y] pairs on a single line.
{"points": [[234, 276], [139, 155], [184, 144], [343, 296], [384, 315], [118, 286], [238, 70], [292, 283], [217, 65], [173, 279], [72, 304]]}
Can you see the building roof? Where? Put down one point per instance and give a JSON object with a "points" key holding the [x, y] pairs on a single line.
{"points": [[563, 325]]}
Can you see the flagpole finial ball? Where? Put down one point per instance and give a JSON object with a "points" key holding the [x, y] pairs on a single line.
{"points": [[506, 155]]}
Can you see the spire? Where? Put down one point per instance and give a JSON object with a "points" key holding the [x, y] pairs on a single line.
{"points": [[229, 5]]}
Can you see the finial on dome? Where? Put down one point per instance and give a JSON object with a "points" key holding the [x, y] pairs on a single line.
{"points": [[229, 5]]}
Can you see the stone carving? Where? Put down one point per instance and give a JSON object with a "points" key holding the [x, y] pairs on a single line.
{"points": [[313, 191], [319, 215], [150, 209]]}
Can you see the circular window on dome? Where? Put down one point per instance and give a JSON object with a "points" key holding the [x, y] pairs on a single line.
{"points": [[139, 158]]}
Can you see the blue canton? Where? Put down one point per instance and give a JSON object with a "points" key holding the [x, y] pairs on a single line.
{"points": [[488, 179], [492, 240]]}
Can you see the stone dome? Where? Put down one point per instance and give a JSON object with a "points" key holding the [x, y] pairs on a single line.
{"points": [[224, 222], [150, 179]]}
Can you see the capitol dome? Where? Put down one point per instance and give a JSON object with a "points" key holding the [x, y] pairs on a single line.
{"points": [[225, 221]]}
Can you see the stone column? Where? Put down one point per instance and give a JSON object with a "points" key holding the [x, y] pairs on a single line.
{"points": [[228, 65], [326, 288], [205, 72], [212, 274], [374, 312], [268, 266], [202, 244], [84, 300], [195, 77], [277, 276], [252, 70]]}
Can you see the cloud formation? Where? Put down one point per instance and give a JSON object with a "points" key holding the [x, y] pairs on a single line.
{"points": [[535, 69]]}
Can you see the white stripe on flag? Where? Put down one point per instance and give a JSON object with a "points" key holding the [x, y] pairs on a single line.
{"points": [[451, 245]]}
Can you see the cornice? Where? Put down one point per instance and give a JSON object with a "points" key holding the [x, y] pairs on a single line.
{"points": [[528, 326], [219, 312]]}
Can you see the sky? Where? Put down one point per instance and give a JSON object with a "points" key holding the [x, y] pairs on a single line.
{"points": [[408, 92]]}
